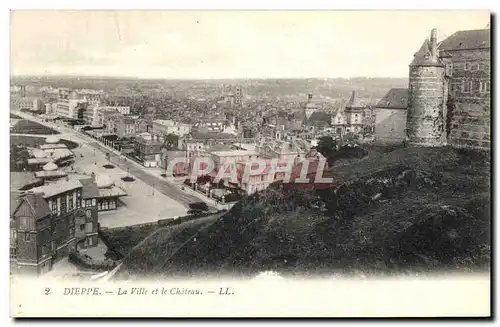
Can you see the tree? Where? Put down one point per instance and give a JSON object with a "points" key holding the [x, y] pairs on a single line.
{"points": [[327, 146]]}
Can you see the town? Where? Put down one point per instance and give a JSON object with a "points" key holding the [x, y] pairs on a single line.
{"points": [[92, 167]]}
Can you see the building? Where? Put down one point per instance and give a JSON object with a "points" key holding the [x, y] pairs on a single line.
{"points": [[103, 189], [166, 127], [390, 117], [354, 111], [68, 104], [449, 91], [147, 147], [43, 226], [213, 125], [282, 150], [96, 114], [310, 107]]}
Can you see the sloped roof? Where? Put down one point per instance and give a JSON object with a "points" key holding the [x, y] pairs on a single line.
{"points": [[320, 116], [472, 39], [39, 207], [423, 56], [57, 188], [354, 101], [396, 98]]}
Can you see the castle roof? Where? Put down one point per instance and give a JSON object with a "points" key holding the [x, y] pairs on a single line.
{"points": [[396, 98], [466, 40], [423, 57]]}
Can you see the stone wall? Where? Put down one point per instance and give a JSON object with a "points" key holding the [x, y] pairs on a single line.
{"points": [[426, 106], [469, 108], [390, 126]]}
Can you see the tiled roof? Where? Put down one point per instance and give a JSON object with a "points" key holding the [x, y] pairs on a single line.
{"points": [[394, 99], [472, 39]]}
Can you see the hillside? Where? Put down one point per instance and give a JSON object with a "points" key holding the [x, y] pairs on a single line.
{"points": [[407, 210]]}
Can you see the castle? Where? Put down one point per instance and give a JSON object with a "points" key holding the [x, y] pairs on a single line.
{"points": [[449, 92]]}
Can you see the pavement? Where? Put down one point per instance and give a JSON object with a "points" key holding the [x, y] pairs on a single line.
{"points": [[151, 196]]}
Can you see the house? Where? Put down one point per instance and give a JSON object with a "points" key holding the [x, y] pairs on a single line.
{"points": [[147, 147], [43, 226], [390, 117]]}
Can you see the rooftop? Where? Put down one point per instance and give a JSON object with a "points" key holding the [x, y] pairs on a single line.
{"points": [[465, 40], [396, 98], [235, 153], [37, 204], [56, 188]]}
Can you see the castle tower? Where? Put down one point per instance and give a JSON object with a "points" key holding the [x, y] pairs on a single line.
{"points": [[425, 122]]}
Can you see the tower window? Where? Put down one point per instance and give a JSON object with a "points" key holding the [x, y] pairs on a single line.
{"points": [[484, 87], [449, 69]]}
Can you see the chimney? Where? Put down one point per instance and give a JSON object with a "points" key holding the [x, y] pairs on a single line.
{"points": [[434, 44]]}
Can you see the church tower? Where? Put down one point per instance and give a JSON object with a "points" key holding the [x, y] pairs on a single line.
{"points": [[425, 123]]}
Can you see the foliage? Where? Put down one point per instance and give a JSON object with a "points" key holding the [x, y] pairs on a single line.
{"points": [[86, 262], [411, 209]]}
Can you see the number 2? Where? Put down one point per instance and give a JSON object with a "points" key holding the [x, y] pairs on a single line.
{"points": [[47, 290]]}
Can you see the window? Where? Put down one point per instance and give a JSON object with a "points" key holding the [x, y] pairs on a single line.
{"points": [[27, 237], [89, 203], [13, 234], [54, 207], [449, 69], [93, 202], [475, 66], [70, 204], [467, 86], [467, 66], [78, 199], [484, 87], [88, 213], [82, 227], [64, 201], [13, 252]]}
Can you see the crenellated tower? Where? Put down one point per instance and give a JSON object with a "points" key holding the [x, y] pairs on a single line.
{"points": [[425, 124]]}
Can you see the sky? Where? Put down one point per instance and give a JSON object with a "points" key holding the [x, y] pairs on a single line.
{"points": [[226, 44]]}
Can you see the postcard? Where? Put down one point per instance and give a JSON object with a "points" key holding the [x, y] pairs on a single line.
{"points": [[278, 164]]}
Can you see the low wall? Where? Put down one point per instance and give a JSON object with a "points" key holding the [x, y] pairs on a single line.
{"points": [[161, 222]]}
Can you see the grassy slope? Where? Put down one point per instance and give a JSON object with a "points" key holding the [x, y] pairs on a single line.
{"points": [[407, 209], [25, 126]]}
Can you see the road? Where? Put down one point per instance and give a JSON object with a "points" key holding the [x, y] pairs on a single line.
{"points": [[135, 169], [157, 183]]}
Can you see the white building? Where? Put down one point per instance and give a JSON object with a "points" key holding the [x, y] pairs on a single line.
{"points": [[166, 127]]}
